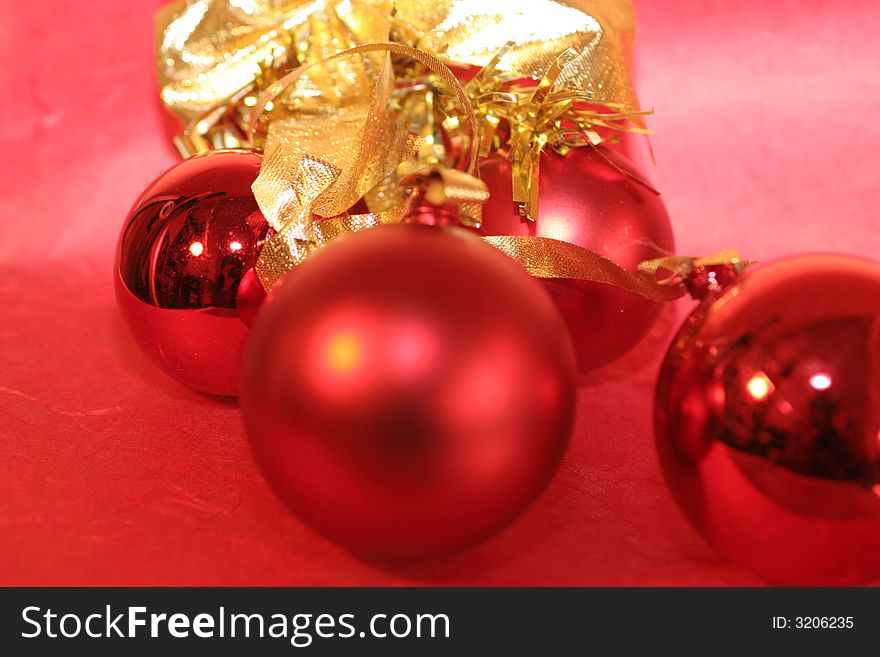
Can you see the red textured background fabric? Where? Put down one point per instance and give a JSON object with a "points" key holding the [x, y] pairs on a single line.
{"points": [[110, 473]]}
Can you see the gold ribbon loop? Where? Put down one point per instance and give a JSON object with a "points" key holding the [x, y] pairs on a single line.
{"points": [[432, 63]]}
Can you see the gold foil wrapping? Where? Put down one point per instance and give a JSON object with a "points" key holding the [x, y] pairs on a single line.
{"points": [[214, 57], [208, 50], [354, 101]]}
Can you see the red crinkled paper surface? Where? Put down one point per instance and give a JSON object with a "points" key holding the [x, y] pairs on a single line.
{"points": [[112, 474]]}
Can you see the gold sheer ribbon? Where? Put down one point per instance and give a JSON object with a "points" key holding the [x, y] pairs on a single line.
{"points": [[353, 101], [214, 57]]}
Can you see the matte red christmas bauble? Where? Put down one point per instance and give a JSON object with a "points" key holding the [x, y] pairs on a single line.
{"points": [[585, 200], [408, 390], [185, 247], [768, 420]]}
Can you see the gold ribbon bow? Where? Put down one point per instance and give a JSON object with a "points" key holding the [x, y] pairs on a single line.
{"points": [[214, 57], [345, 98]]}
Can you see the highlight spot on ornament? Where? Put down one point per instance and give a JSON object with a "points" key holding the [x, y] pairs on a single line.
{"points": [[197, 248], [235, 246], [759, 386], [785, 407], [557, 228], [344, 352], [412, 349], [820, 381]]}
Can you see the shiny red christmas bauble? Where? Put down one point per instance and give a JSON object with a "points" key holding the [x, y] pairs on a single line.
{"points": [[188, 242], [768, 420], [586, 201], [408, 390]]}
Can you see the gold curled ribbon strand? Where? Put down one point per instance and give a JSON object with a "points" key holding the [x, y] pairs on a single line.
{"points": [[681, 266], [540, 256], [544, 257]]}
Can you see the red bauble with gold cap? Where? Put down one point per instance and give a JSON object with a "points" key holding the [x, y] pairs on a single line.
{"points": [[409, 389], [590, 197]]}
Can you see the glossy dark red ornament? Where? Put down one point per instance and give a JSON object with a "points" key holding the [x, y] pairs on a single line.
{"points": [[585, 200], [768, 420], [408, 390], [188, 242]]}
